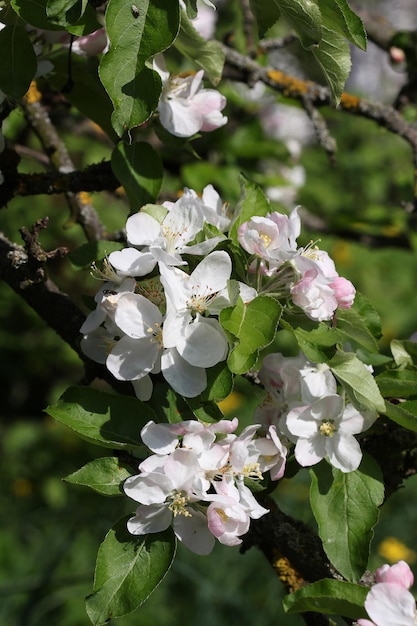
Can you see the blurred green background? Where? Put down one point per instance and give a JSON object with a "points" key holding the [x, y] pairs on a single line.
{"points": [[50, 531]]}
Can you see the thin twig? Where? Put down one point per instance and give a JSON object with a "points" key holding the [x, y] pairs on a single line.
{"points": [[81, 208]]}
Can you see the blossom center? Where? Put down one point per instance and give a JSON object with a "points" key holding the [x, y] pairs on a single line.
{"points": [[178, 502], [155, 333], [266, 240], [251, 470], [173, 237], [199, 302], [327, 428]]}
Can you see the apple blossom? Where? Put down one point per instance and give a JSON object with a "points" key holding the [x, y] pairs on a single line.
{"points": [[185, 107], [273, 237], [389, 603], [326, 429], [165, 241], [200, 340], [320, 290]]}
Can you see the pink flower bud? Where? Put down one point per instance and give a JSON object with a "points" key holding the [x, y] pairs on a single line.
{"points": [[399, 574], [344, 292]]}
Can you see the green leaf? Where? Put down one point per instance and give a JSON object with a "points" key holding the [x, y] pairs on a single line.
{"points": [[345, 506], [87, 93], [65, 12], [77, 16], [403, 413], [135, 37], [398, 383], [191, 8], [357, 380], [305, 18], [253, 326], [338, 15], [332, 597], [34, 13], [128, 569], [252, 202], [103, 475], [333, 55], [18, 61], [138, 167], [107, 420], [316, 341], [403, 352], [359, 324], [168, 406], [207, 54], [266, 15], [83, 256]]}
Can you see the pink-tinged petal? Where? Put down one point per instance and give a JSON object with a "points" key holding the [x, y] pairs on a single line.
{"points": [[310, 451], [344, 452], [132, 359], [178, 118], [149, 519], [388, 604], [142, 229], [365, 622], [399, 573], [185, 379], [194, 533], [344, 292]]}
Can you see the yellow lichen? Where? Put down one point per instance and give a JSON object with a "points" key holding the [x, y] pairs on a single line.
{"points": [[33, 94], [289, 576]]}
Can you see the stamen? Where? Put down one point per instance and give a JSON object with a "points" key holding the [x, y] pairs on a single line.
{"points": [[327, 428], [178, 503]]}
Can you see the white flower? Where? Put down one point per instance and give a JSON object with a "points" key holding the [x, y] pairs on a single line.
{"points": [[168, 497], [185, 107], [141, 351], [326, 429], [272, 237], [167, 240], [199, 340], [214, 209]]}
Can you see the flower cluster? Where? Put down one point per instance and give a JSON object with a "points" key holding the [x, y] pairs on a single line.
{"points": [[303, 403], [318, 289], [389, 601], [155, 315], [195, 480]]}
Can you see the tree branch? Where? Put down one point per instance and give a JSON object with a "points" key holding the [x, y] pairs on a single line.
{"points": [[249, 71], [80, 205]]}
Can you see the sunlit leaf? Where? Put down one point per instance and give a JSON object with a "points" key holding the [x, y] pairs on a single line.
{"points": [[108, 420], [128, 569], [103, 475], [345, 506]]}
